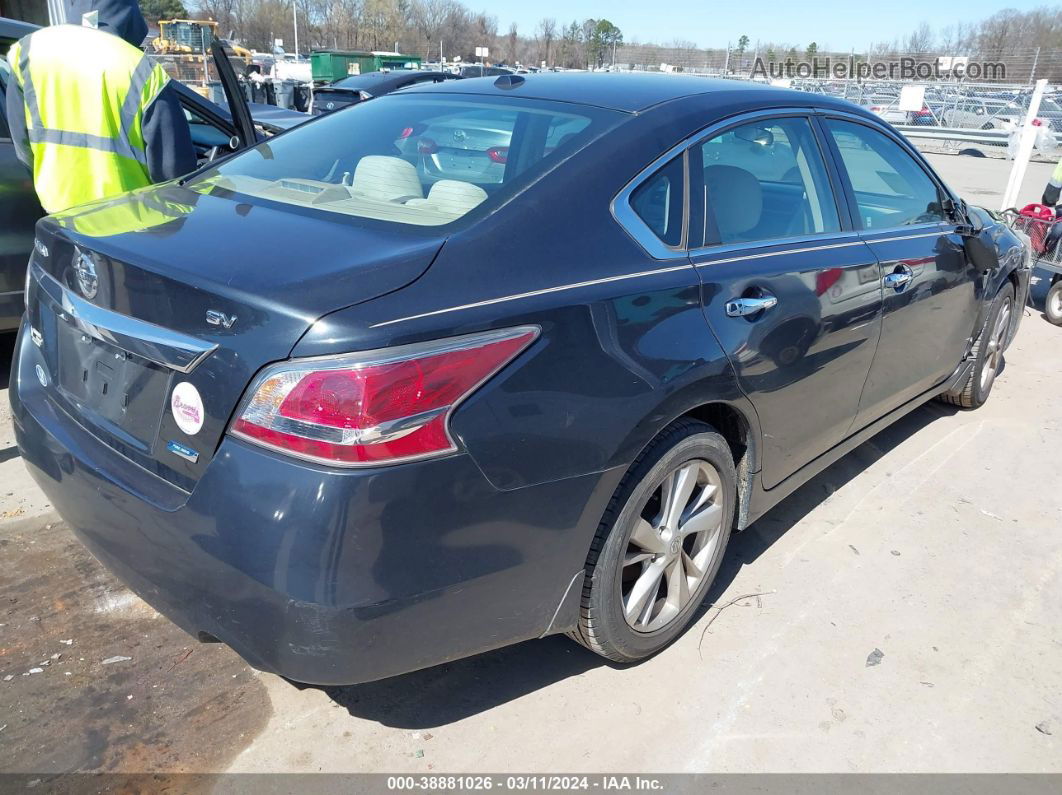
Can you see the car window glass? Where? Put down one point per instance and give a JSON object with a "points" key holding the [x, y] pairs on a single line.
{"points": [[414, 159], [658, 202], [891, 189], [766, 180]]}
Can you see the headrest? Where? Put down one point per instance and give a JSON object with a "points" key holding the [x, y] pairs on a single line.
{"points": [[386, 178], [736, 199]]}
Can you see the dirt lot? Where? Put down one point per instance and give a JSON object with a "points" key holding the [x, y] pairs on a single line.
{"points": [[932, 550]]}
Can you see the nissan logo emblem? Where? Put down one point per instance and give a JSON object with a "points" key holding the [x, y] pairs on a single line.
{"points": [[85, 270]]}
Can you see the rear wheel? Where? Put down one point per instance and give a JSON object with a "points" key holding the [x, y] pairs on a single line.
{"points": [[659, 545], [987, 353], [1053, 303]]}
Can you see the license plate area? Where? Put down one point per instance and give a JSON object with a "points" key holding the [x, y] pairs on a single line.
{"points": [[122, 393]]}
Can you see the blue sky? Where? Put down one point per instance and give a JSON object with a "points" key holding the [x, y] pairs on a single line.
{"points": [[853, 24]]}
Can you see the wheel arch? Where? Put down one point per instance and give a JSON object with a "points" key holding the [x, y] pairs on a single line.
{"points": [[737, 429], [735, 420]]}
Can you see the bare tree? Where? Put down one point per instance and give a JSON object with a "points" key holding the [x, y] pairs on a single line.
{"points": [[513, 40], [547, 31], [921, 40]]}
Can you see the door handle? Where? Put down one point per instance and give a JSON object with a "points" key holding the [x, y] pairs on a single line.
{"points": [[740, 307], [899, 278]]}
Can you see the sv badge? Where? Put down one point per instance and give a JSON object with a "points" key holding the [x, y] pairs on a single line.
{"points": [[216, 318]]}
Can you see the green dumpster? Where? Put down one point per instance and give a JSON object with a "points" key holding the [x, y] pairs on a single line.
{"points": [[327, 66]]}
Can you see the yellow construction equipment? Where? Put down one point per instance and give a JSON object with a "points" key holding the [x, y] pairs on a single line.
{"points": [[185, 36], [193, 37]]}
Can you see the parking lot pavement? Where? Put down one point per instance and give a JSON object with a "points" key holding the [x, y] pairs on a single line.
{"points": [[905, 618]]}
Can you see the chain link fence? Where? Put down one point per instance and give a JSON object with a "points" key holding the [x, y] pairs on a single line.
{"points": [[961, 104]]}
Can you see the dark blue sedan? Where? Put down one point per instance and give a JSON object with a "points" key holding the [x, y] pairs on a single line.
{"points": [[359, 400]]}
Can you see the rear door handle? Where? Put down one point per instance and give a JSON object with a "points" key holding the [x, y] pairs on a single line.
{"points": [[740, 307]]}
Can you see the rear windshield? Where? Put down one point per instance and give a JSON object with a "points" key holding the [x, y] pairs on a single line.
{"points": [[415, 159]]}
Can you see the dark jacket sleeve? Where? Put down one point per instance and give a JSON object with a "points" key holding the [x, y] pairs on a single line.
{"points": [[1054, 187], [1050, 197], [168, 140], [15, 110]]}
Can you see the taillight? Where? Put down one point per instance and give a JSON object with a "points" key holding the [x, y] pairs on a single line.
{"points": [[426, 146], [498, 154], [374, 408]]}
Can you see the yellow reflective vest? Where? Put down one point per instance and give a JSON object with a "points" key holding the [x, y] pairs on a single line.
{"points": [[86, 93]]}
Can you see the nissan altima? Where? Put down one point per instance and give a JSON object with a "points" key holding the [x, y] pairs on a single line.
{"points": [[353, 415]]}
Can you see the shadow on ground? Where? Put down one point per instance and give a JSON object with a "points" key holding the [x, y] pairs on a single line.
{"points": [[450, 692]]}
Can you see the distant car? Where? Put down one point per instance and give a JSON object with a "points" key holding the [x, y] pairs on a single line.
{"points": [[353, 419], [485, 71], [888, 109], [358, 88], [472, 146]]}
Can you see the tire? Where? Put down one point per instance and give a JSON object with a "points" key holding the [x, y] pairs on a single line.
{"points": [[987, 353], [635, 529], [1053, 303]]}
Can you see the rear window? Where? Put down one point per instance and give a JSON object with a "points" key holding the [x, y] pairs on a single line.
{"points": [[420, 160]]}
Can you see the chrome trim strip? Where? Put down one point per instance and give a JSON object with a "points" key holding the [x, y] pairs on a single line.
{"points": [[782, 252], [12, 292], [534, 294], [631, 223], [168, 348], [888, 239]]}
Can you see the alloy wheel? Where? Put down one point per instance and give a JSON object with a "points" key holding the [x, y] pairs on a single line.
{"points": [[996, 342], [672, 546]]}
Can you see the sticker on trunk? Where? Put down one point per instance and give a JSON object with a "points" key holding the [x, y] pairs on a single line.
{"points": [[187, 408]]}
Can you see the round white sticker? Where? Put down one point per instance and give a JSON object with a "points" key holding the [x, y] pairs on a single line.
{"points": [[187, 408]]}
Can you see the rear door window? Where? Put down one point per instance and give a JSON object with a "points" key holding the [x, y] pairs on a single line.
{"points": [[891, 189], [766, 180]]}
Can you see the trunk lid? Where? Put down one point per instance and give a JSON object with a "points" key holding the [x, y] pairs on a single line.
{"points": [[132, 297]]}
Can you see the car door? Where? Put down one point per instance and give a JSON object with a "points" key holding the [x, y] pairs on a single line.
{"points": [[20, 209], [930, 290], [790, 290], [238, 108]]}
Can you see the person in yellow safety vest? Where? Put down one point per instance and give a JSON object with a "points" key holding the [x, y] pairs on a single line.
{"points": [[90, 114]]}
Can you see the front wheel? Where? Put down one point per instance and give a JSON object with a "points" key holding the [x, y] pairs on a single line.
{"points": [[987, 353], [1053, 303], [659, 545]]}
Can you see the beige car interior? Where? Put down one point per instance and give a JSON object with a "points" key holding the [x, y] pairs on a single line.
{"points": [[382, 187]]}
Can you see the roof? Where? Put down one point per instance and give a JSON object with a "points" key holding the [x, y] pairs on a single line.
{"points": [[15, 29], [630, 91], [369, 80]]}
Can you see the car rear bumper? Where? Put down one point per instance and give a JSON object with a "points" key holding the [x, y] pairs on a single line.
{"points": [[321, 576]]}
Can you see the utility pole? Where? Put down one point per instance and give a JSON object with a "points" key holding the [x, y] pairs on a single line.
{"points": [[295, 20], [726, 64]]}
